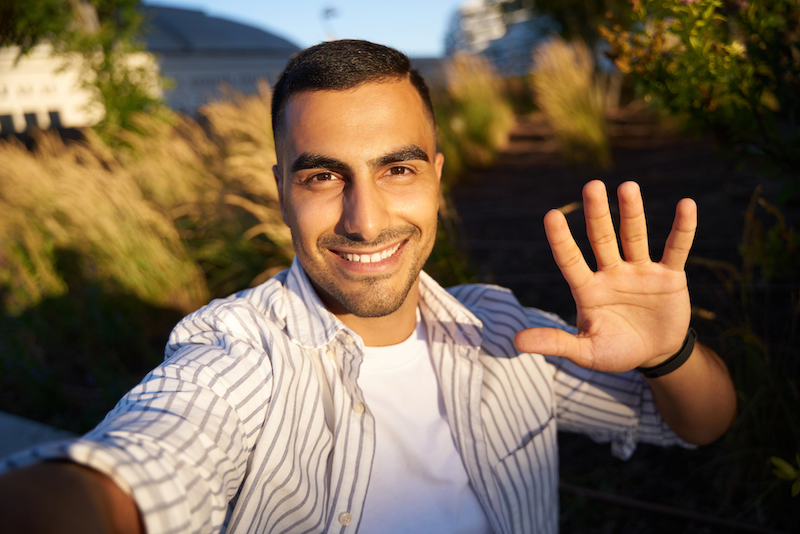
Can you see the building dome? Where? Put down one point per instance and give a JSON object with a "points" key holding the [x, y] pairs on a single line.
{"points": [[172, 31], [203, 54]]}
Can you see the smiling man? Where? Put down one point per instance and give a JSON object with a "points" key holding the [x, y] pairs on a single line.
{"points": [[351, 392], [358, 178]]}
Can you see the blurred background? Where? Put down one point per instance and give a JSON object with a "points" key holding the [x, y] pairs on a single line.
{"points": [[136, 185]]}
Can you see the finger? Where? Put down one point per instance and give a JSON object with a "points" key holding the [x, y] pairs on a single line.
{"points": [[599, 226], [680, 239], [553, 342], [632, 225], [566, 252]]}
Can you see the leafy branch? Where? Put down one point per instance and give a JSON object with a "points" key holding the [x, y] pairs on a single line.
{"points": [[784, 470]]}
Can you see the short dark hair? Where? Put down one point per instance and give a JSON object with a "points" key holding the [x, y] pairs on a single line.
{"points": [[341, 65]]}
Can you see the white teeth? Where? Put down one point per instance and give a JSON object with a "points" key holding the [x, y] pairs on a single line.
{"points": [[371, 258]]}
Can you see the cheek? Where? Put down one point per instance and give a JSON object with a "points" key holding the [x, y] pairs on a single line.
{"points": [[310, 218], [420, 208]]}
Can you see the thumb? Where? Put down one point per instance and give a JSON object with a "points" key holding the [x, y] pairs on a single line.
{"points": [[552, 342]]}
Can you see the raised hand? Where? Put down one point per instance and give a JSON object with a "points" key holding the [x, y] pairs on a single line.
{"points": [[632, 312]]}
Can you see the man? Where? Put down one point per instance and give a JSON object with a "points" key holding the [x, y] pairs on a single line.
{"points": [[351, 392]]}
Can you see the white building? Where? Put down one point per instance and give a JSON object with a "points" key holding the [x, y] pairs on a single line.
{"points": [[197, 52], [34, 91], [507, 39], [473, 26]]}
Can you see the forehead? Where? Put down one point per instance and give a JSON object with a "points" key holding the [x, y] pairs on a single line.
{"points": [[367, 118]]}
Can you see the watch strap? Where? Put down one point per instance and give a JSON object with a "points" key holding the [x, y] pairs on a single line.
{"points": [[675, 361]]}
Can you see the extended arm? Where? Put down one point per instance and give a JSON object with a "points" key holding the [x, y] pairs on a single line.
{"points": [[633, 312], [697, 400], [66, 498]]}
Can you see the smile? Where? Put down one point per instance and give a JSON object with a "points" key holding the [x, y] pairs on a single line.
{"points": [[375, 257]]}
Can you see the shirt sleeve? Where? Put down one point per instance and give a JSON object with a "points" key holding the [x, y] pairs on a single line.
{"points": [[608, 407], [179, 442]]}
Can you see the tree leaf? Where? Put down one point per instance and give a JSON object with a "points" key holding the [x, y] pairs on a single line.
{"points": [[784, 469]]}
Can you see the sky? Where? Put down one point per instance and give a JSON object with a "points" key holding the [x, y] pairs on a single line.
{"points": [[415, 27]]}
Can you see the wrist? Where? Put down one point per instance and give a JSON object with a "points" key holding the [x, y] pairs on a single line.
{"points": [[670, 364]]}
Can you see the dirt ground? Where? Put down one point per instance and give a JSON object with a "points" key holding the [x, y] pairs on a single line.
{"points": [[501, 210]]}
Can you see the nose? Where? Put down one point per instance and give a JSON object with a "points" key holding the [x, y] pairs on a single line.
{"points": [[365, 212]]}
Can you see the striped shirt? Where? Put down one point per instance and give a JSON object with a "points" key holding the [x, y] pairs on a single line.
{"points": [[255, 421]]}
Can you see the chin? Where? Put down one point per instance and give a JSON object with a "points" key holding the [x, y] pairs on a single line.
{"points": [[372, 301]]}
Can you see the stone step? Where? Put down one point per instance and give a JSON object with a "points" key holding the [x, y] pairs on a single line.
{"points": [[17, 433]]}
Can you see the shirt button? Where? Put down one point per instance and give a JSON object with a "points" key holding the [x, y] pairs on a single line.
{"points": [[330, 354], [359, 408], [348, 340], [345, 518]]}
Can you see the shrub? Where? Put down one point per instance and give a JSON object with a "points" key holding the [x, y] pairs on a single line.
{"points": [[473, 116], [732, 68], [104, 246], [89, 273], [71, 198], [216, 184], [568, 94]]}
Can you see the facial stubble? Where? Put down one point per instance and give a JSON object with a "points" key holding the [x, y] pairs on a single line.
{"points": [[371, 300]]}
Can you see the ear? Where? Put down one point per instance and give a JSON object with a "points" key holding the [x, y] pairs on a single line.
{"points": [[438, 163], [276, 172]]}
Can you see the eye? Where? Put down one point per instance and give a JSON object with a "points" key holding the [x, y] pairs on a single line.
{"points": [[399, 171], [321, 177]]}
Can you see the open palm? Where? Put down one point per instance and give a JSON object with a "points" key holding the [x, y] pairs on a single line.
{"points": [[632, 311]]}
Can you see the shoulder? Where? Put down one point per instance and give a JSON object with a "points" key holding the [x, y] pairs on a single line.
{"points": [[245, 316]]}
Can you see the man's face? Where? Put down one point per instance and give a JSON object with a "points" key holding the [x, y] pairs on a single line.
{"points": [[358, 176]]}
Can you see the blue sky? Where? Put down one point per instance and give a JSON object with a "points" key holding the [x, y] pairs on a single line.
{"points": [[416, 27]]}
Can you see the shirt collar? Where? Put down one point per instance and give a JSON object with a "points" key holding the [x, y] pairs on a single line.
{"points": [[443, 309], [308, 321], [311, 325]]}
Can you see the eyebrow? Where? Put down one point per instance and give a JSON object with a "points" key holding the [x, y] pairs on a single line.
{"points": [[409, 153], [315, 161], [307, 161]]}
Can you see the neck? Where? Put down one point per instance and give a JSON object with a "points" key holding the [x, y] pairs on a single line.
{"points": [[387, 330]]}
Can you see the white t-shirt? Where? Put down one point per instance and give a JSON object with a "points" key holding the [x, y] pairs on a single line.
{"points": [[418, 482]]}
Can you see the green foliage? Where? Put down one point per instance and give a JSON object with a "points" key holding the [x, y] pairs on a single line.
{"points": [[473, 115], [759, 339], [730, 67], [116, 69], [785, 471], [519, 93], [774, 250], [104, 247], [216, 185], [449, 264], [578, 18], [67, 360], [567, 92], [71, 197], [27, 23], [99, 38]]}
